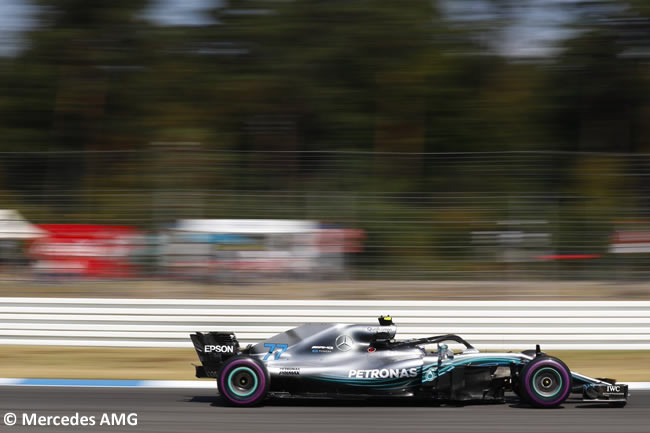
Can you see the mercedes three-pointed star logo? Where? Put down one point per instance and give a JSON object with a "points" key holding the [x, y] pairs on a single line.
{"points": [[344, 343]]}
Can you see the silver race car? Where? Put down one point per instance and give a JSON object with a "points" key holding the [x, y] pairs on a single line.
{"points": [[363, 361]]}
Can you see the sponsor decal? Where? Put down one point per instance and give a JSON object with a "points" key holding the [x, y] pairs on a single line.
{"points": [[344, 343], [614, 388], [289, 372], [322, 349], [378, 329], [429, 376], [384, 373], [219, 349]]}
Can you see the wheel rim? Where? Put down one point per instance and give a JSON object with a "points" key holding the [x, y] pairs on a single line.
{"points": [[547, 382], [242, 381]]}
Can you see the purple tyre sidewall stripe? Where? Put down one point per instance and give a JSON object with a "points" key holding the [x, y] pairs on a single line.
{"points": [[565, 378], [261, 386]]}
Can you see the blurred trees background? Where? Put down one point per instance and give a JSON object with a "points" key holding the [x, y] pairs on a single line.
{"points": [[368, 76], [334, 110]]}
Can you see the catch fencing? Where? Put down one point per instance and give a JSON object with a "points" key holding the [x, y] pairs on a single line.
{"points": [[494, 325], [425, 216]]}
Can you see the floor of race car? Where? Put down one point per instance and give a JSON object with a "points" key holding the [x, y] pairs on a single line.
{"points": [[179, 410]]}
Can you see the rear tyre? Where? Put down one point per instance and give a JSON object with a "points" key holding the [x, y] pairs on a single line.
{"points": [[243, 381], [545, 382]]}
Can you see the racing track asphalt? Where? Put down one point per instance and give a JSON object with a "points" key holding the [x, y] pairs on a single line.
{"points": [[192, 410]]}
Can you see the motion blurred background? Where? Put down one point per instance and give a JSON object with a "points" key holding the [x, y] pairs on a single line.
{"points": [[289, 148]]}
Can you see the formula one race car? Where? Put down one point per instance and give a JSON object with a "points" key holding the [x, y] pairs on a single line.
{"points": [[338, 360]]}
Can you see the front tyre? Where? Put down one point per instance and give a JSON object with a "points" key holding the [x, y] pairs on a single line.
{"points": [[545, 382], [243, 381]]}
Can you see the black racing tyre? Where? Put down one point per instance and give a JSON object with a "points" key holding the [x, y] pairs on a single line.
{"points": [[243, 381], [516, 384], [545, 382]]}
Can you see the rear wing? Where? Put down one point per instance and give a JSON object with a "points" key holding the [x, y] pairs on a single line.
{"points": [[213, 348]]}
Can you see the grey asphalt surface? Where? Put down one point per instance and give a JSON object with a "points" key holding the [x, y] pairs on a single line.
{"points": [[199, 410]]}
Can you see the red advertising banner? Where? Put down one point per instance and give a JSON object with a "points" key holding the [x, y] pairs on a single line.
{"points": [[85, 250]]}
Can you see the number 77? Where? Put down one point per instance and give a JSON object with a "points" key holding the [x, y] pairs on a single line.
{"points": [[272, 348]]}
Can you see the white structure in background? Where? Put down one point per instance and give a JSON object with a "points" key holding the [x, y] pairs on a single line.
{"points": [[247, 226], [514, 241], [630, 237], [14, 227], [247, 248]]}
